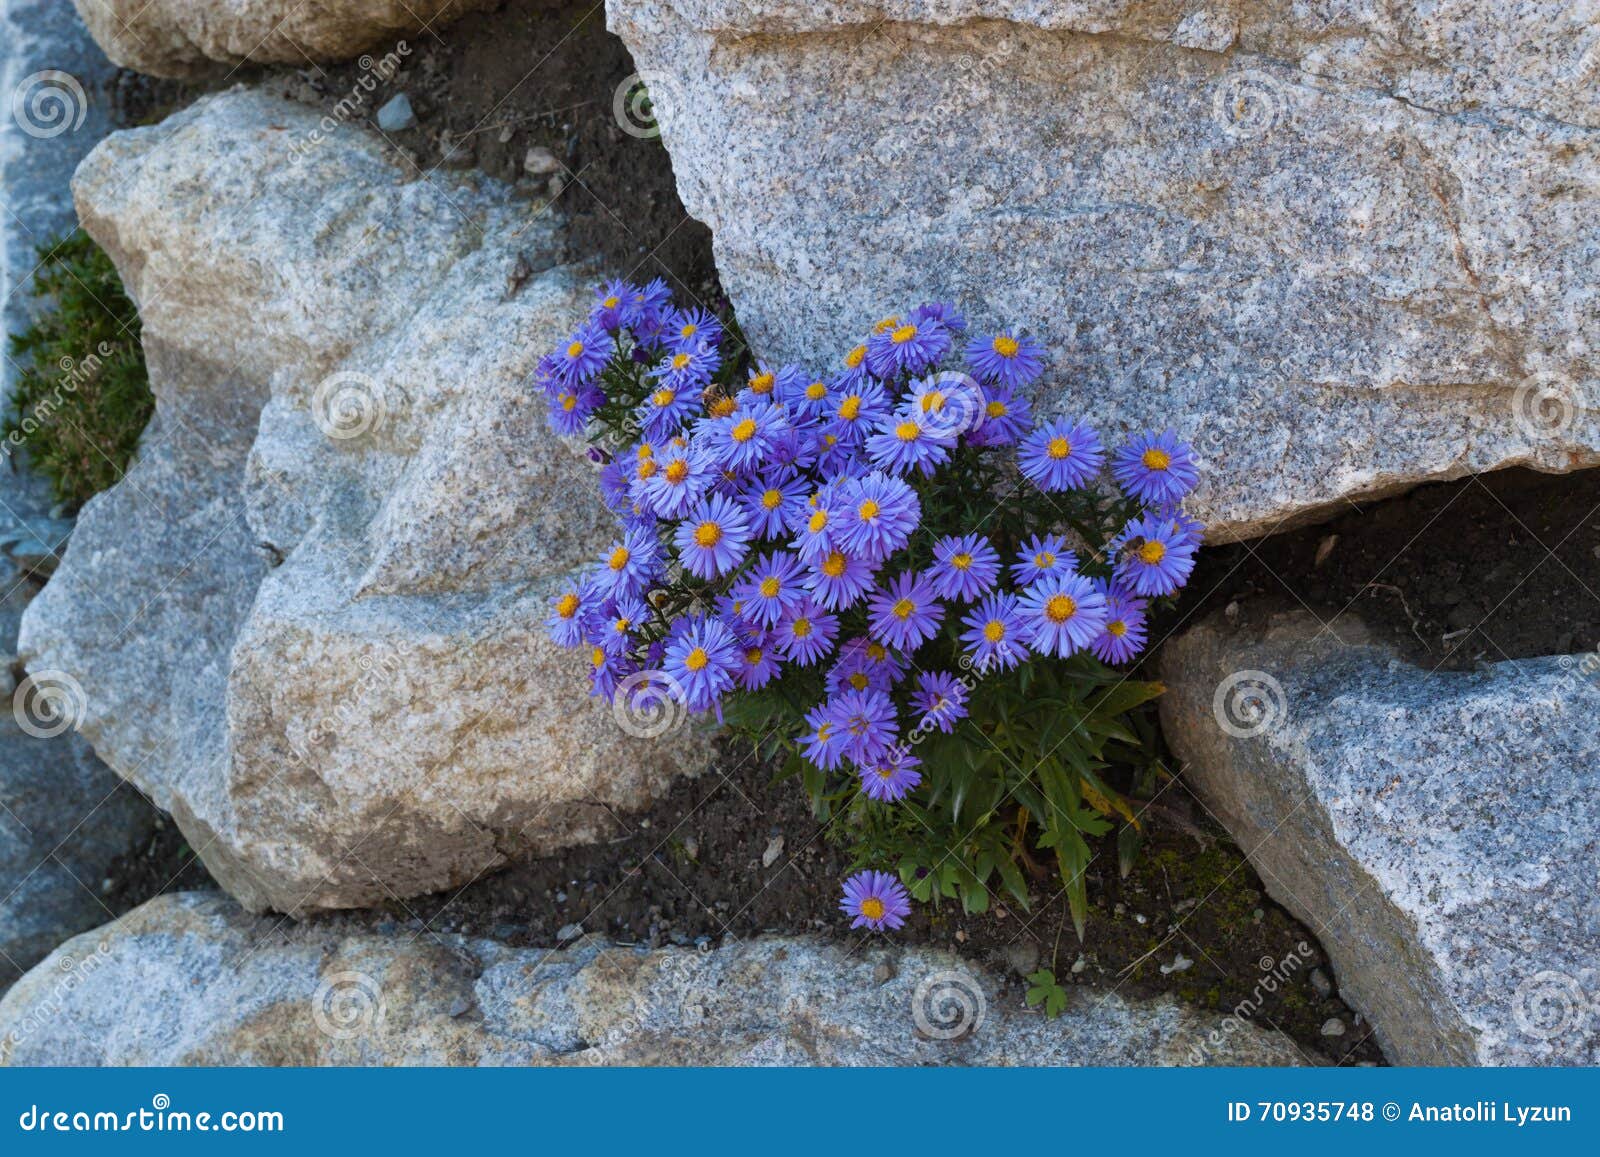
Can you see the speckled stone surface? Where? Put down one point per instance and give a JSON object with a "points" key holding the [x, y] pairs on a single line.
{"points": [[185, 38], [190, 980], [310, 621], [1342, 247], [1439, 832]]}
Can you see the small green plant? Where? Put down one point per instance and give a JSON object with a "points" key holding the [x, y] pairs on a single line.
{"points": [[1044, 990], [82, 398]]}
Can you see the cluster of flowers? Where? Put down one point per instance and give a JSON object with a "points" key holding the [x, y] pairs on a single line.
{"points": [[770, 520]]}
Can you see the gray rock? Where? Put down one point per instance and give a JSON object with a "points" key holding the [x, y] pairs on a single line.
{"points": [[1440, 832], [188, 38], [190, 980], [309, 623], [1341, 257], [396, 114], [540, 162]]}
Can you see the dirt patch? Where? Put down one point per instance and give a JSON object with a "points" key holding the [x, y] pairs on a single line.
{"points": [[1496, 566]]}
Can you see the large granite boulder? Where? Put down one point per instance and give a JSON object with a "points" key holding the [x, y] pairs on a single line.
{"points": [[186, 38], [1343, 250], [190, 980], [1440, 832], [309, 621]]}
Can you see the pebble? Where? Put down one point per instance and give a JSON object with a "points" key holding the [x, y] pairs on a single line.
{"points": [[1180, 963], [1333, 1026], [774, 850], [1079, 964], [691, 847], [557, 183], [882, 972], [569, 932], [1320, 982], [396, 115], [540, 162]]}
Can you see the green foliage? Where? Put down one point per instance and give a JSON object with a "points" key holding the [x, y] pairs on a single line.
{"points": [[1045, 991], [82, 398]]}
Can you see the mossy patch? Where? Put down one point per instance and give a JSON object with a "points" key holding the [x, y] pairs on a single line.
{"points": [[82, 398]]}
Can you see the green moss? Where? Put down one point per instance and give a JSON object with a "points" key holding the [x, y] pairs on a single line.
{"points": [[82, 398]]}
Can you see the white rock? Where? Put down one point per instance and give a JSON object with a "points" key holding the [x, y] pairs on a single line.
{"points": [[324, 653], [185, 38], [396, 115], [190, 980], [1439, 831], [1340, 262]]}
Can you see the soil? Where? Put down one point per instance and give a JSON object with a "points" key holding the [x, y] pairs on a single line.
{"points": [[1496, 566]]}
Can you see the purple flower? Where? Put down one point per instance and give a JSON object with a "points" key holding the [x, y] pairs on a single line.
{"points": [[868, 720], [964, 568], [838, 580], [773, 385], [570, 612], [890, 778], [632, 563], [702, 660], [950, 404], [864, 663], [944, 312], [1061, 456], [668, 485], [906, 440], [613, 632], [584, 355], [688, 328], [855, 411], [1040, 557], [824, 739], [806, 633], [875, 900], [1153, 556], [771, 502], [742, 440], [942, 699], [995, 636], [1063, 614], [876, 516], [906, 613], [758, 667], [1008, 358], [854, 373], [643, 310], [606, 669], [908, 348], [1155, 468], [807, 399], [1123, 635], [610, 303], [667, 408], [713, 539], [1005, 416], [771, 588], [813, 525], [570, 409]]}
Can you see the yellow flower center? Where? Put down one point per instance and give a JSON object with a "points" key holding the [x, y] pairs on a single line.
{"points": [[664, 398], [904, 334], [858, 681], [677, 470], [1117, 627], [833, 566], [689, 330], [647, 469], [646, 450], [744, 431], [801, 628], [569, 402], [1060, 608], [762, 383], [619, 558], [818, 521], [996, 410], [877, 652], [1152, 552], [816, 391], [568, 606], [772, 499], [1058, 448], [1006, 346], [697, 659], [933, 402], [622, 625], [1044, 560], [1156, 458], [824, 730], [850, 408], [886, 325], [907, 431], [753, 656], [994, 630], [680, 361], [872, 908], [575, 350], [855, 357], [868, 510], [961, 561], [597, 657], [721, 407], [611, 302], [904, 609], [707, 534], [769, 587]]}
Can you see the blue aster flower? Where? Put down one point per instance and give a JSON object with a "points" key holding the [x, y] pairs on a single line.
{"points": [[948, 403], [670, 483], [868, 720], [909, 348], [774, 383], [823, 742], [1007, 358], [570, 613], [688, 328], [1153, 556], [875, 900], [1040, 557], [1155, 468], [1123, 636], [571, 408], [631, 564], [964, 568], [876, 516], [807, 398], [759, 666], [1006, 417], [713, 539], [906, 613], [945, 312], [906, 441], [645, 307], [996, 637], [703, 660], [607, 669], [771, 588], [839, 580], [864, 663], [742, 440], [610, 304], [854, 373], [1059, 455], [806, 633], [1063, 614], [856, 410], [942, 700], [615, 630], [585, 355], [813, 525], [772, 501], [892, 777]]}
